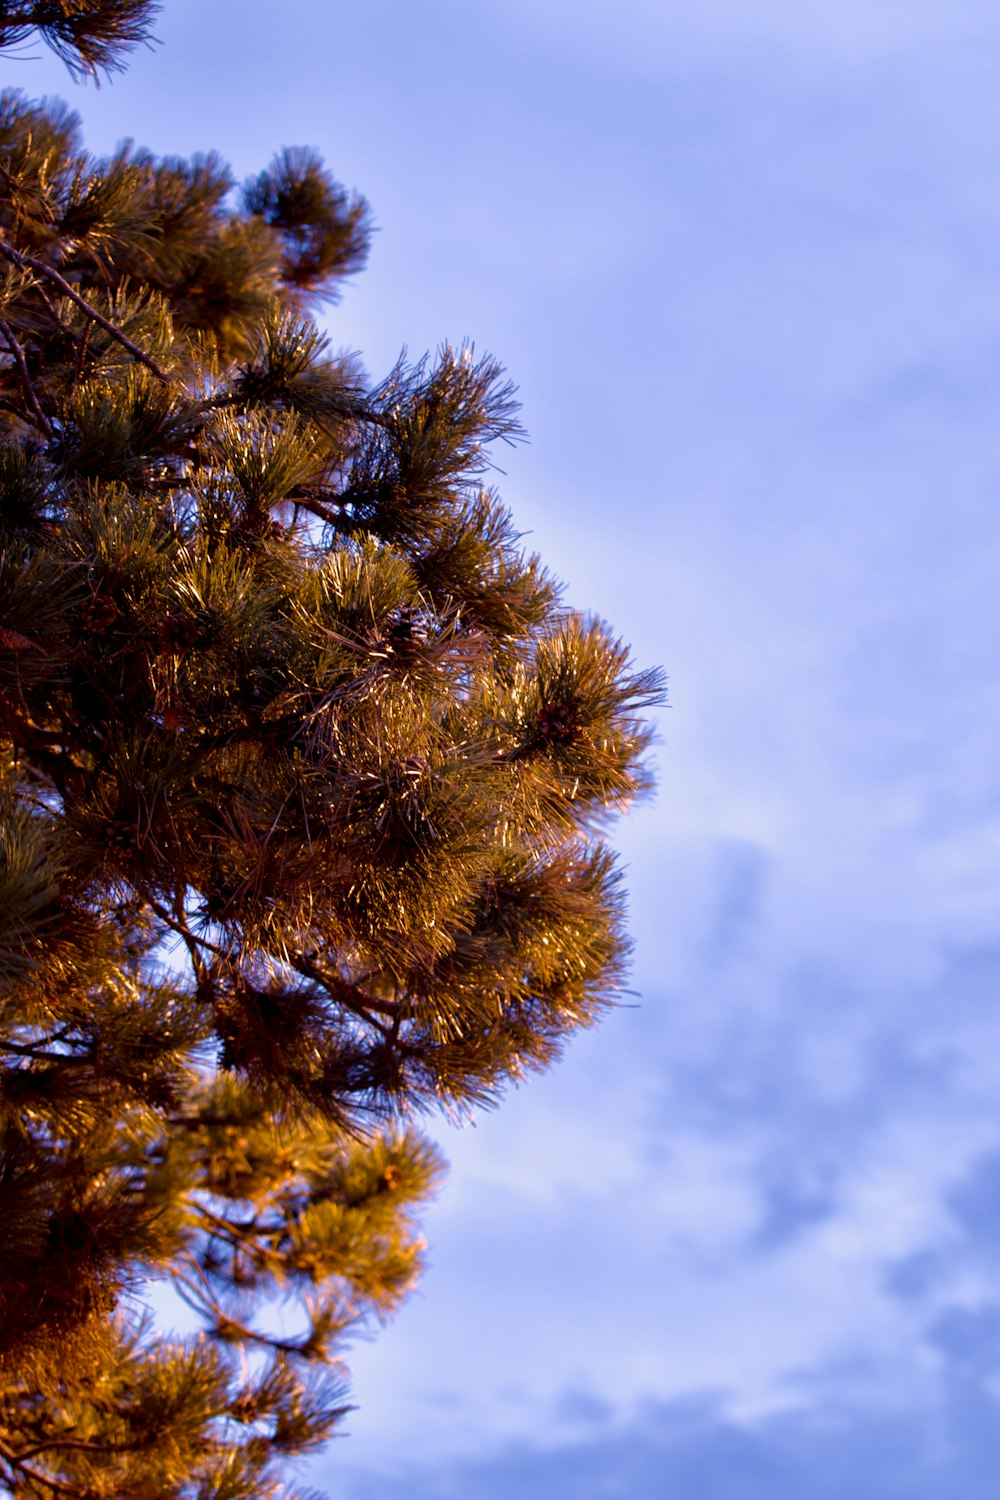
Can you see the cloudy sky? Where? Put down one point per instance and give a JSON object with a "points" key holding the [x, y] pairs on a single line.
{"points": [[743, 259]]}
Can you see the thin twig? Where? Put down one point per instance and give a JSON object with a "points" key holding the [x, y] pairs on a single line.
{"points": [[197, 962], [22, 369], [81, 352], [32, 1475], [82, 1446], [340, 990], [209, 1305], [318, 509], [19, 259], [37, 1054], [343, 991], [190, 939]]}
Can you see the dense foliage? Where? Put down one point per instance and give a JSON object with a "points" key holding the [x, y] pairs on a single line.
{"points": [[302, 764]]}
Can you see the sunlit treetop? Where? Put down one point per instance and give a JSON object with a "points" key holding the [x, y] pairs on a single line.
{"points": [[303, 769]]}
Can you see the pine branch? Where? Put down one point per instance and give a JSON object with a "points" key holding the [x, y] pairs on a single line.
{"points": [[318, 509], [89, 37], [79, 1445], [207, 1305], [20, 259], [191, 940], [22, 369], [188, 938], [346, 994], [229, 1228], [53, 764], [33, 1476], [36, 1053]]}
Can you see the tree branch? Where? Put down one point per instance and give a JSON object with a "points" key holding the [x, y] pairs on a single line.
{"points": [[346, 994], [318, 509], [81, 1445], [207, 1304], [19, 259], [22, 369], [13, 1461], [192, 942]]}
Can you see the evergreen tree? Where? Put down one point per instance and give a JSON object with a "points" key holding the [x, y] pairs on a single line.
{"points": [[302, 770]]}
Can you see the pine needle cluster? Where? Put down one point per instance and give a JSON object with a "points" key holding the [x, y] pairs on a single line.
{"points": [[303, 766]]}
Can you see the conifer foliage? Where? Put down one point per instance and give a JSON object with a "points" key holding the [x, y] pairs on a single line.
{"points": [[302, 770]]}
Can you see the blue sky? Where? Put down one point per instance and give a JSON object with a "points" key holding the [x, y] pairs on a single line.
{"points": [[743, 259]]}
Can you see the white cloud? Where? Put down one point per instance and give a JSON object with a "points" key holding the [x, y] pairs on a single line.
{"points": [[591, 1245]]}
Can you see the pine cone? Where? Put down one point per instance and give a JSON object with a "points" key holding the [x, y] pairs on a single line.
{"points": [[405, 635], [123, 836], [98, 614], [557, 723], [178, 633]]}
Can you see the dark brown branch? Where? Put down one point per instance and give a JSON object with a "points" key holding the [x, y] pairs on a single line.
{"points": [[207, 1304], [81, 352], [38, 1053], [192, 942], [13, 1461], [204, 1122], [257, 1250], [19, 259], [346, 994], [22, 369], [188, 938], [44, 747], [231, 1237], [233, 1230], [316, 508], [80, 1445]]}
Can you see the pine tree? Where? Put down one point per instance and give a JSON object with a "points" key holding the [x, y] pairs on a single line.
{"points": [[303, 766]]}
